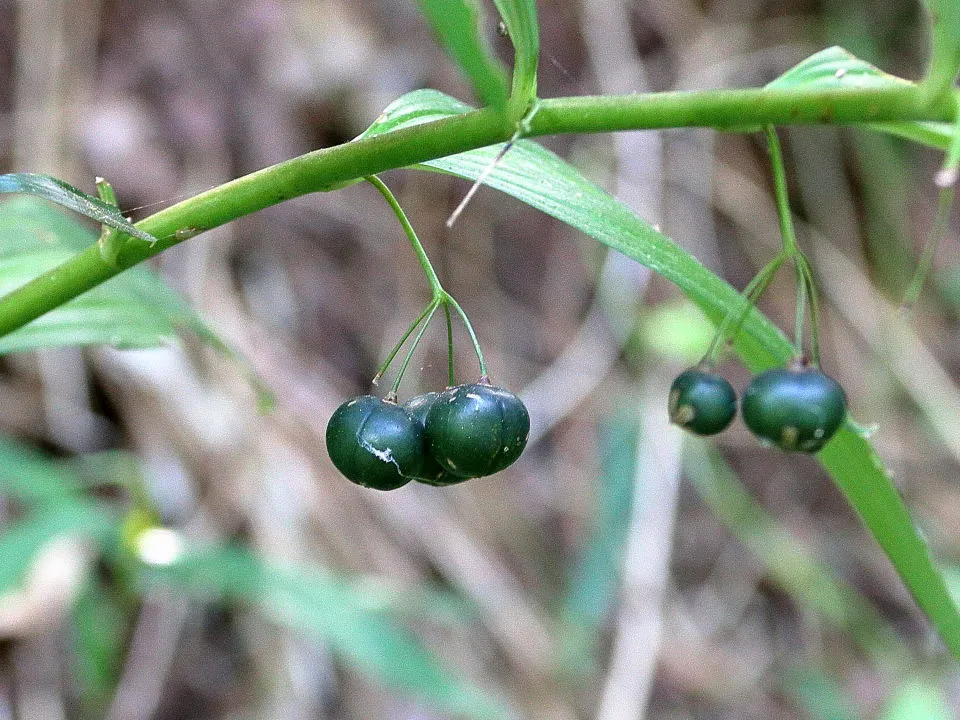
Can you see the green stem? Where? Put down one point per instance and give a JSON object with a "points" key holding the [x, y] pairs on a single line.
{"points": [[451, 377], [734, 320], [406, 361], [781, 192], [799, 310], [396, 348], [806, 289], [435, 286], [806, 271], [345, 164], [473, 335]]}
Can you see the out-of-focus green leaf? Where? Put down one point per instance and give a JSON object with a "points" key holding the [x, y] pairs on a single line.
{"points": [[328, 608], [20, 541], [66, 195], [595, 578], [917, 700], [135, 309], [99, 640], [818, 694], [459, 25], [541, 179], [31, 478]]}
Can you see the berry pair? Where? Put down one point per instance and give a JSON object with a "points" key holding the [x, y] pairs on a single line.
{"points": [[466, 431], [796, 408]]}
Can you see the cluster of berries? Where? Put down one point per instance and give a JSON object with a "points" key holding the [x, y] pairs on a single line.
{"points": [[466, 431], [796, 408]]}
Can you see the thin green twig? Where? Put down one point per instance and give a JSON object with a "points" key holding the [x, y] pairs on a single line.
{"points": [[396, 348], [406, 361], [415, 243]]}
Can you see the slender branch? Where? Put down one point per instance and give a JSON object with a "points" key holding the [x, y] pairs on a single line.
{"points": [[345, 164], [406, 361], [415, 243], [471, 333], [451, 377], [428, 310]]}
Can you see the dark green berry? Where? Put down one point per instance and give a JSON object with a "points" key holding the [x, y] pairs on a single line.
{"points": [[796, 408], [477, 430], [375, 443], [432, 472], [702, 402]]}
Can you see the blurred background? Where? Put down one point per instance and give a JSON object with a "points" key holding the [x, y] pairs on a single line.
{"points": [[618, 570]]}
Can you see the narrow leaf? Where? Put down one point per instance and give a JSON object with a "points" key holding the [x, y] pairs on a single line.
{"points": [[66, 195], [836, 68], [543, 180], [459, 25], [311, 601], [944, 45], [100, 628], [20, 541], [135, 309], [520, 19]]}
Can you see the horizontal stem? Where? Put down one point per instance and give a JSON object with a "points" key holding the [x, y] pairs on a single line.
{"points": [[750, 108], [338, 166]]}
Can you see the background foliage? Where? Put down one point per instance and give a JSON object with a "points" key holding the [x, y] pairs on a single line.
{"points": [[611, 560]]}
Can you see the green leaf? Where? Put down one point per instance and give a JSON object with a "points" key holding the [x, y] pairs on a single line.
{"points": [[135, 309], [20, 541], [459, 25], [100, 626], [836, 68], [520, 19], [415, 108], [66, 195], [311, 601], [541, 179], [31, 478], [50, 492], [944, 45], [917, 700], [819, 695]]}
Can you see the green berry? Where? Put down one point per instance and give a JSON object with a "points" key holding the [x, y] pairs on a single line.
{"points": [[432, 472], [702, 402], [375, 443], [477, 430], [796, 408]]}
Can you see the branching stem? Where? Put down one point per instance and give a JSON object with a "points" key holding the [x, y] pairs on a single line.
{"points": [[439, 297], [345, 164]]}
